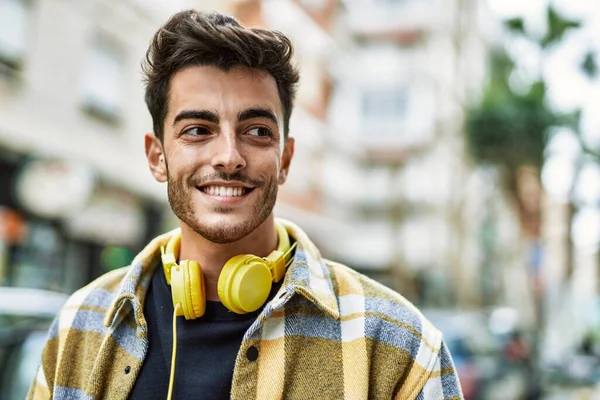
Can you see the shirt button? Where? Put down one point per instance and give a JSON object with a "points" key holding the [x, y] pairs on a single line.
{"points": [[252, 353]]}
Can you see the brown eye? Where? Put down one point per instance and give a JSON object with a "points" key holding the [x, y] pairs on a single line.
{"points": [[196, 131], [260, 131]]}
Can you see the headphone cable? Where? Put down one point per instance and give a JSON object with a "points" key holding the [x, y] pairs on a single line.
{"points": [[174, 353]]}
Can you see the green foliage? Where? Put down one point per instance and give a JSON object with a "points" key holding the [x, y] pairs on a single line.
{"points": [[557, 27], [516, 25], [510, 129], [512, 132], [589, 65]]}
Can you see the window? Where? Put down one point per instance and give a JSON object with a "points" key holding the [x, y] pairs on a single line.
{"points": [[314, 5], [14, 26], [104, 78], [384, 104]]}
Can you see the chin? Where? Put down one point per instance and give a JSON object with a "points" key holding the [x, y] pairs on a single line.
{"points": [[224, 228], [223, 221]]}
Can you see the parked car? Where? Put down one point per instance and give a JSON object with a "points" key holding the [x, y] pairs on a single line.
{"points": [[25, 316]]}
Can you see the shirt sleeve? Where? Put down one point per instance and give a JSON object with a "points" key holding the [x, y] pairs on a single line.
{"points": [[42, 386], [442, 383]]}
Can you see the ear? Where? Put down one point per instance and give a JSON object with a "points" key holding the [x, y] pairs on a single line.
{"points": [[156, 157], [286, 160]]}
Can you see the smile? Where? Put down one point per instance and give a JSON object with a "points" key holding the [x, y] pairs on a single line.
{"points": [[225, 191]]}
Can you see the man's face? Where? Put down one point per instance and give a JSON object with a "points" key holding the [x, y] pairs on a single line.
{"points": [[224, 151]]}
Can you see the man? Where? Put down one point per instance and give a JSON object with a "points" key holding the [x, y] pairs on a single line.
{"points": [[220, 96]]}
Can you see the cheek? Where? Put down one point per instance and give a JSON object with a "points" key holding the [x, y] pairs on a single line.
{"points": [[270, 168], [183, 164], [264, 163], [178, 174]]}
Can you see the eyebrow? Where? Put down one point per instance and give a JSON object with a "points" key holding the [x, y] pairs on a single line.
{"points": [[257, 112], [206, 115], [211, 116]]}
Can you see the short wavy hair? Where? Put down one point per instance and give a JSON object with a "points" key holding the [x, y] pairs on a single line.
{"points": [[193, 38]]}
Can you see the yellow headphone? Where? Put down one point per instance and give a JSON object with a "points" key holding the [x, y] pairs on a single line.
{"points": [[244, 283]]}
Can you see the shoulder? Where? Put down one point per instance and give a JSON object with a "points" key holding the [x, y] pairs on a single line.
{"points": [[94, 299], [390, 319], [105, 286]]}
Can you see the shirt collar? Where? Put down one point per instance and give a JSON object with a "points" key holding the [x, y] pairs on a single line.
{"points": [[134, 285], [307, 275]]}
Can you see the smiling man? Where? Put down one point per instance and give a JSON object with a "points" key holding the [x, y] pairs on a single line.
{"points": [[223, 151], [234, 303]]}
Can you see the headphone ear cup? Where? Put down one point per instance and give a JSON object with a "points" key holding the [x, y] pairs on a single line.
{"points": [[244, 283], [187, 288], [195, 295]]}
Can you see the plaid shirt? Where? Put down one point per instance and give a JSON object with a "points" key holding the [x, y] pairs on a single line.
{"points": [[329, 333]]}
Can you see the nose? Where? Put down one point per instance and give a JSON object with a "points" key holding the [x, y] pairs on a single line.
{"points": [[227, 157]]}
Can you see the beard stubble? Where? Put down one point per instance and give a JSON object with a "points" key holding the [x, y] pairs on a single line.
{"points": [[180, 199]]}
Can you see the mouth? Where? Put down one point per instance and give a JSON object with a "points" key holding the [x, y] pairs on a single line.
{"points": [[224, 192]]}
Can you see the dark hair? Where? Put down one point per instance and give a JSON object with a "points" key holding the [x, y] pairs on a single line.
{"points": [[193, 38]]}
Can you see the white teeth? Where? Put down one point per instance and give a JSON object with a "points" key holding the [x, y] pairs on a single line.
{"points": [[224, 191]]}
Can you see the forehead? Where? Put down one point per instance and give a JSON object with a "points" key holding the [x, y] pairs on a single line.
{"points": [[227, 92]]}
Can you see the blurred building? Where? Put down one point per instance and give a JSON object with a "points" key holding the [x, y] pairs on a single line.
{"points": [[76, 197], [402, 103]]}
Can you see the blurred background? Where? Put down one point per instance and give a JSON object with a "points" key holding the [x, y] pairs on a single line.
{"points": [[449, 149]]}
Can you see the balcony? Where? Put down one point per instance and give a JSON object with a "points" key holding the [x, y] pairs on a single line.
{"points": [[386, 124], [403, 20], [422, 184]]}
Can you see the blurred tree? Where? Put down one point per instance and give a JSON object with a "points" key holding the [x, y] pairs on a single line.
{"points": [[557, 27], [510, 128], [589, 65]]}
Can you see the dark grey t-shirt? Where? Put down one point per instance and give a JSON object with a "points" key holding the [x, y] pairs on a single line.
{"points": [[206, 347]]}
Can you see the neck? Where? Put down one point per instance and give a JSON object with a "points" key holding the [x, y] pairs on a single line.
{"points": [[213, 256]]}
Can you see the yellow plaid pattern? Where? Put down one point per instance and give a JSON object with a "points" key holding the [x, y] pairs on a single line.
{"points": [[330, 333]]}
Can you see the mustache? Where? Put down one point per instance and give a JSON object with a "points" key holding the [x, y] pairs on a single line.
{"points": [[225, 177]]}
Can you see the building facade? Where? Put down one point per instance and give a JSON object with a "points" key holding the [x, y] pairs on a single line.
{"points": [[77, 198]]}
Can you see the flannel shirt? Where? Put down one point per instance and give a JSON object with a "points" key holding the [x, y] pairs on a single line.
{"points": [[329, 333]]}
